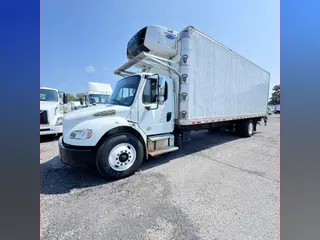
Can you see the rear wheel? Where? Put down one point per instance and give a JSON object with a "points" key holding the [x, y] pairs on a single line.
{"points": [[119, 156], [245, 128]]}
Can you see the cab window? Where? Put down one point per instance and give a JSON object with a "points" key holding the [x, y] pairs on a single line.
{"points": [[150, 92], [149, 95]]}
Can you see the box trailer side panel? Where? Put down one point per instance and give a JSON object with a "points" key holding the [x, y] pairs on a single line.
{"points": [[220, 84]]}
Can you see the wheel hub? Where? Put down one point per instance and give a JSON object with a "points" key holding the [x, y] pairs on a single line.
{"points": [[122, 156]]}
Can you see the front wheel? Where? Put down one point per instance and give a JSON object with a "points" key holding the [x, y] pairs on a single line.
{"points": [[119, 156]]}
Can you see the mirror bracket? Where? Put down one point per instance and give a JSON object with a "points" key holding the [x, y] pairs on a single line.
{"points": [[161, 86]]}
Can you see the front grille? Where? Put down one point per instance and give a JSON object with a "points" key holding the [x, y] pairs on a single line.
{"points": [[43, 117]]}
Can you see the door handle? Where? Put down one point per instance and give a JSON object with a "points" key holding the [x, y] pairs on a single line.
{"points": [[169, 116]]}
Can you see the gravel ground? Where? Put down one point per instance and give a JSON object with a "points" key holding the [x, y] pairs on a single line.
{"points": [[217, 186]]}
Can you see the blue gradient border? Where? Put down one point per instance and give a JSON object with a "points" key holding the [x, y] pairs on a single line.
{"points": [[300, 80], [20, 76], [300, 84]]}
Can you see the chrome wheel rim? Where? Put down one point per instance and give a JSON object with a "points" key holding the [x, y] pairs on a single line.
{"points": [[122, 157]]}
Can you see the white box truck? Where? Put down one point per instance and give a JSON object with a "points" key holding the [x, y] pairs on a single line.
{"points": [[52, 108], [98, 93], [187, 81]]}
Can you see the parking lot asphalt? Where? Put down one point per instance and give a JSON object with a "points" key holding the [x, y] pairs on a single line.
{"points": [[218, 186]]}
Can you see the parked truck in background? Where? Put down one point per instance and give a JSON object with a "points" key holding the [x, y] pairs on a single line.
{"points": [[52, 108], [74, 105], [187, 82], [277, 109], [98, 93]]}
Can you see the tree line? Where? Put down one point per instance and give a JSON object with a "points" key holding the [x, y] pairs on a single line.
{"points": [[77, 97], [275, 96]]}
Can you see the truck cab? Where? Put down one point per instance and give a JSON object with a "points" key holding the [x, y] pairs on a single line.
{"points": [[138, 119], [52, 108]]}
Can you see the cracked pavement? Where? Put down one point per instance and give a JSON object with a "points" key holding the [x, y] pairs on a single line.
{"points": [[218, 186]]}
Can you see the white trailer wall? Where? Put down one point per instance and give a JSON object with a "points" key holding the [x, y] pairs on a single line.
{"points": [[220, 83]]}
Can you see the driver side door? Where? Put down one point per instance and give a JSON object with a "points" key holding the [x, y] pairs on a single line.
{"points": [[155, 118]]}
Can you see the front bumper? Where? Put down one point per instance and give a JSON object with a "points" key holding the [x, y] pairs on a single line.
{"points": [[76, 156], [49, 129]]}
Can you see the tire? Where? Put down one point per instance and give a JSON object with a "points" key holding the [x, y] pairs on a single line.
{"points": [[245, 128], [119, 156], [178, 140]]}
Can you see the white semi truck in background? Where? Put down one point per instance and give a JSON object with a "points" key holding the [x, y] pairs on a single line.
{"points": [[52, 108], [98, 93], [187, 82]]}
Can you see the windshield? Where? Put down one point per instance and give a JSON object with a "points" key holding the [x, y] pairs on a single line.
{"points": [[98, 98], [48, 95], [125, 91]]}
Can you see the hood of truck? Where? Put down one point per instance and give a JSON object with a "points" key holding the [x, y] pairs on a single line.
{"points": [[48, 105], [73, 118], [89, 111]]}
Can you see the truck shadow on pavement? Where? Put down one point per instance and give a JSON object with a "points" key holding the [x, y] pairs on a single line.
{"points": [[57, 178]]}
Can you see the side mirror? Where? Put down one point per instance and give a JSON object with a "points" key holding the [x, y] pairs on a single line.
{"points": [[65, 99], [161, 86], [81, 101]]}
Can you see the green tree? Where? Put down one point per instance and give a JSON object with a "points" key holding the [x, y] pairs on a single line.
{"points": [[70, 97], [275, 97], [80, 95]]}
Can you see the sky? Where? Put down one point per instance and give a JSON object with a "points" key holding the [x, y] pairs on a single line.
{"points": [[83, 41]]}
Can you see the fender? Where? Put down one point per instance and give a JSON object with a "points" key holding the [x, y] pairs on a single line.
{"points": [[132, 129], [101, 128]]}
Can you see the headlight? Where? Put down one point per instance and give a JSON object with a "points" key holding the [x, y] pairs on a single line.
{"points": [[59, 121], [81, 134]]}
